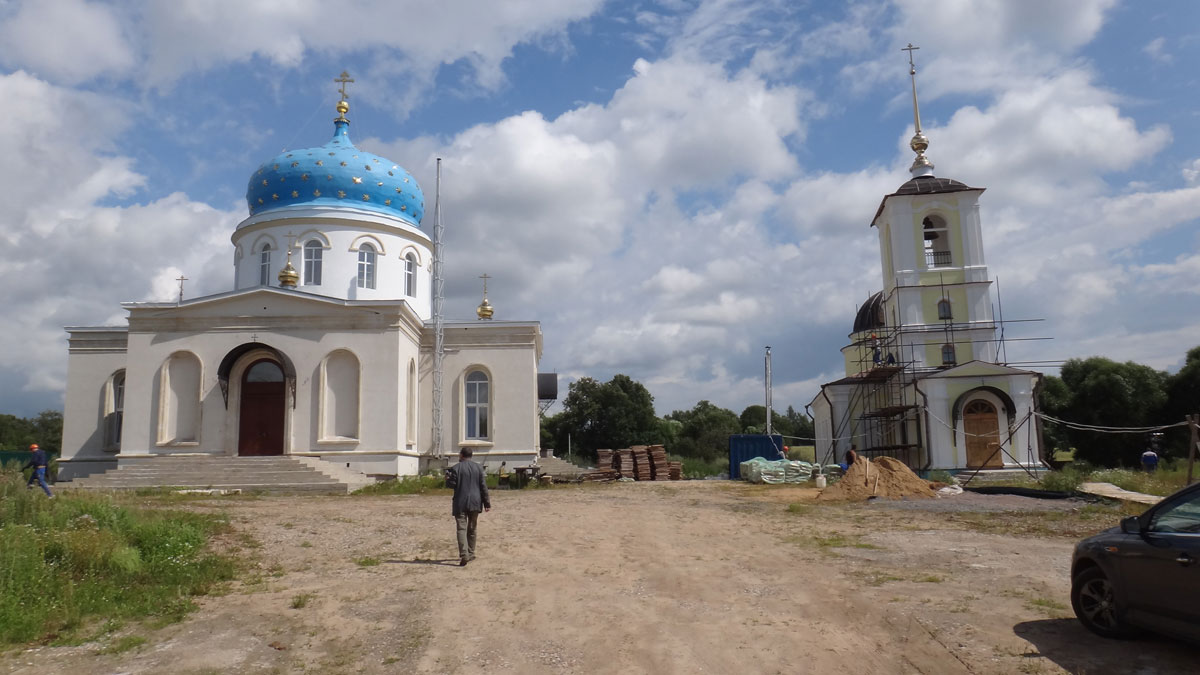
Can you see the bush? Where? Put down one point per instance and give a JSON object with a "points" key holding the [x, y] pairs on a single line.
{"points": [[694, 467], [1066, 480]]}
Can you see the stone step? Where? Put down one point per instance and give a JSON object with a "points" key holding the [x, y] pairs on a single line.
{"points": [[271, 475]]}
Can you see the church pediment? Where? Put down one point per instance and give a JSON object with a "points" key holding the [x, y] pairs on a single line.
{"points": [[267, 306]]}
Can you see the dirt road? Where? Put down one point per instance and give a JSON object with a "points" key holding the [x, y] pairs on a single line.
{"points": [[689, 577]]}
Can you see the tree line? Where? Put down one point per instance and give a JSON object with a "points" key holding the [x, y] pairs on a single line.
{"points": [[45, 429], [620, 413], [1102, 392]]}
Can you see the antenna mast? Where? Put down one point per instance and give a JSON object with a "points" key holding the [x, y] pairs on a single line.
{"points": [[439, 347], [767, 368]]}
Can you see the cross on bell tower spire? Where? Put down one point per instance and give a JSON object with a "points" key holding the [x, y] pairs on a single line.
{"points": [[921, 166]]}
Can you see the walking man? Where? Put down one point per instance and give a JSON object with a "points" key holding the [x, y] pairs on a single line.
{"points": [[38, 461], [470, 497]]}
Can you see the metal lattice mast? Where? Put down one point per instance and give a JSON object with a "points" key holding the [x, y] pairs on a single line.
{"points": [[439, 347]]}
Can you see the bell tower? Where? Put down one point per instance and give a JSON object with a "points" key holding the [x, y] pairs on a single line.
{"points": [[937, 293]]}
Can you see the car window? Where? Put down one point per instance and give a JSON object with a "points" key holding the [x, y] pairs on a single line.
{"points": [[1181, 517]]}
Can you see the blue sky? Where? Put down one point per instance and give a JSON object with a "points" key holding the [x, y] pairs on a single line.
{"points": [[667, 186]]}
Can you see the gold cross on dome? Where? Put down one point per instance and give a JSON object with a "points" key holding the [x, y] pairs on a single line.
{"points": [[344, 78], [485, 277], [181, 279]]}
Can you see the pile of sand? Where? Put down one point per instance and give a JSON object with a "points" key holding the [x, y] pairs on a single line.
{"points": [[885, 477]]}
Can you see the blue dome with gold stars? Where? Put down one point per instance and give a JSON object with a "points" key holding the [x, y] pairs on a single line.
{"points": [[336, 173]]}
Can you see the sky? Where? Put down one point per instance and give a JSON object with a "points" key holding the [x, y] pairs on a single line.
{"points": [[668, 187]]}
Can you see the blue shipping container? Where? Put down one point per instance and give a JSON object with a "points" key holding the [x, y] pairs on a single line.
{"points": [[743, 447]]}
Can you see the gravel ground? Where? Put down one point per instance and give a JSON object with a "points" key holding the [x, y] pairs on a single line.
{"points": [[970, 501]]}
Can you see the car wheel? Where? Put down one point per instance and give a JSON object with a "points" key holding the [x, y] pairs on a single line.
{"points": [[1095, 604]]}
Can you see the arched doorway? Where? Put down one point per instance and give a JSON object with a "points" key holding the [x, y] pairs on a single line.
{"points": [[982, 427], [261, 417]]}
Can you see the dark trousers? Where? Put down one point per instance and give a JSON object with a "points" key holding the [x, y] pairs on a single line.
{"points": [[39, 474], [466, 534]]}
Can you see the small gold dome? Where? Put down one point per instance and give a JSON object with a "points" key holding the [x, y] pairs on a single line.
{"points": [[484, 311], [288, 277], [343, 107]]}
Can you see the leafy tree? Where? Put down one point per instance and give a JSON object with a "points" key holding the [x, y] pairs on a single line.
{"points": [[1183, 399], [796, 425], [704, 431], [1104, 392], [1054, 399], [614, 414]]}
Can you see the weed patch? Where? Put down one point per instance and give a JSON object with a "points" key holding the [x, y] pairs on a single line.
{"points": [[367, 561], [68, 560]]}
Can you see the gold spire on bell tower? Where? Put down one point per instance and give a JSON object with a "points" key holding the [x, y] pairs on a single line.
{"points": [[921, 166], [343, 107], [484, 311]]}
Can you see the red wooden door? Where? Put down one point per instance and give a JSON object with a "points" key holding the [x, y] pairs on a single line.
{"points": [[260, 427]]}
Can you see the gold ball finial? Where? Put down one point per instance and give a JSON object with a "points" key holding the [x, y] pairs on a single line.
{"points": [[343, 107], [484, 311]]}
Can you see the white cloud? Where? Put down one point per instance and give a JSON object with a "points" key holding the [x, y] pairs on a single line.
{"points": [[1156, 50], [68, 41]]}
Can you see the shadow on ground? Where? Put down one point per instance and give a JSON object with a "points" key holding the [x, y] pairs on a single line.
{"points": [[1068, 644], [450, 562]]}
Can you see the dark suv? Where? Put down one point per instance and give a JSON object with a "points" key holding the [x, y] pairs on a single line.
{"points": [[1143, 574]]}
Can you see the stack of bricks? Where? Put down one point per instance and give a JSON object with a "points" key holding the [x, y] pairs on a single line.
{"points": [[604, 460], [641, 463], [659, 468], [624, 463], [675, 470]]}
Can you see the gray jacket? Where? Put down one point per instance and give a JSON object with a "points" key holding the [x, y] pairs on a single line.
{"points": [[470, 488]]}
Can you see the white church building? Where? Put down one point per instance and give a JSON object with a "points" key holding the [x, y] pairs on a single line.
{"points": [[325, 347], [925, 376]]}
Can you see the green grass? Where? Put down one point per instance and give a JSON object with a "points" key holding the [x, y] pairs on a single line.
{"points": [[123, 644], [367, 561], [408, 485], [798, 508], [1162, 482], [1166, 480], [74, 559], [694, 467], [300, 600], [417, 485]]}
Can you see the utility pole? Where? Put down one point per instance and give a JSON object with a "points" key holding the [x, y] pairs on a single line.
{"points": [[1194, 427]]}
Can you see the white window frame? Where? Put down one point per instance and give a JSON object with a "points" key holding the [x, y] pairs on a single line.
{"points": [[313, 254], [473, 405], [367, 257], [410, 274], [264, 265]]}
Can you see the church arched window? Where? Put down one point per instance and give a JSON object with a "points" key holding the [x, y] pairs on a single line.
{"points": [[114, 410], [366, 266], [944, 311], [948, 355], [410, 275], [477, 399], [937, 242], [312, 262], [264, 266]]}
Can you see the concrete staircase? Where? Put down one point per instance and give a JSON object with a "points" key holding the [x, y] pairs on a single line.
{"points": [[224, 475], [560, 469]]}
